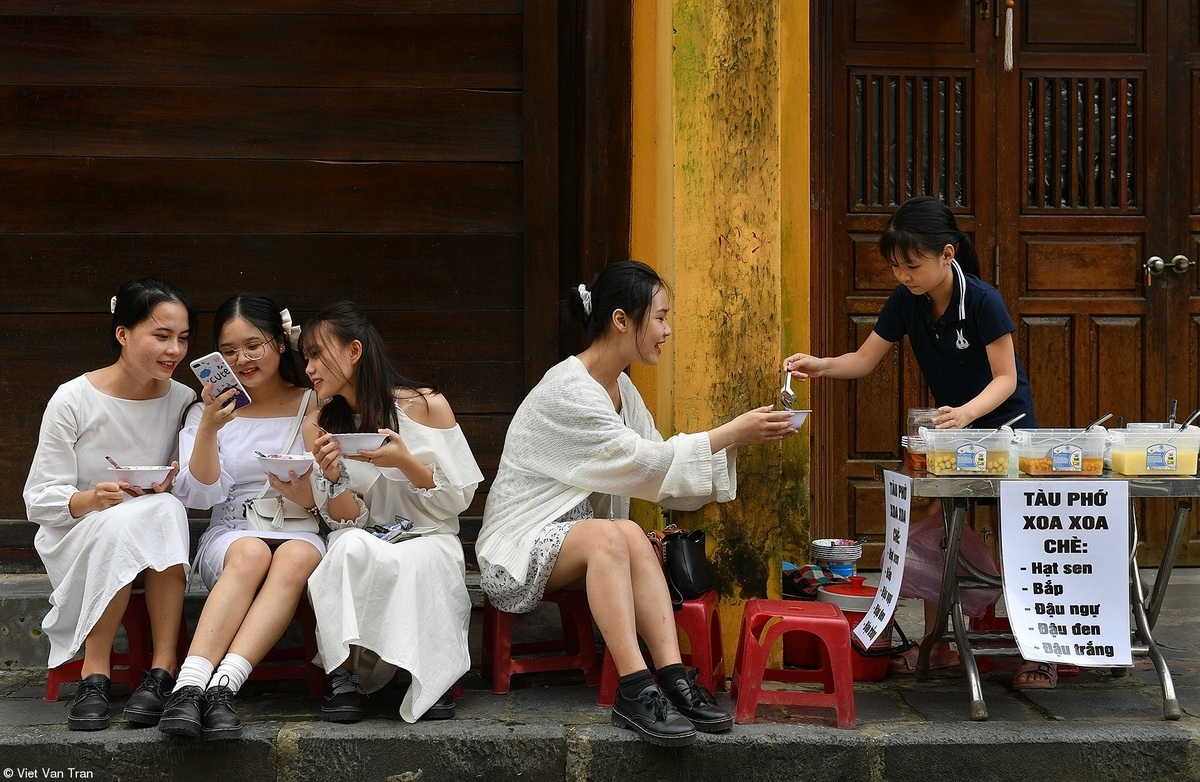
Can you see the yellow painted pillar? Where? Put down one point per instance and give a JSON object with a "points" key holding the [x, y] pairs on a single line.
{"points": [[720, 208]]}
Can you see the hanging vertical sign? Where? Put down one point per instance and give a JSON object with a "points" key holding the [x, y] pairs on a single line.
{"points": [[1065, 550], [898, 491]]}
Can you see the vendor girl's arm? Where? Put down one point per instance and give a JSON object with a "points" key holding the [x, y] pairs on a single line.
{"points": [[1002, 358], [847, 366]]}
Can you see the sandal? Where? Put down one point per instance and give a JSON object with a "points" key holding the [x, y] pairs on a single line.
{"points": [[1037, 676], [905, 664]]}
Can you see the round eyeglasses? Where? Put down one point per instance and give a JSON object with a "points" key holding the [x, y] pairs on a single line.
{"points": [[252, 352]]}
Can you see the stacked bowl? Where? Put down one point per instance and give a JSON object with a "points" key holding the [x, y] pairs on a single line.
{"points": [[837, 555]]}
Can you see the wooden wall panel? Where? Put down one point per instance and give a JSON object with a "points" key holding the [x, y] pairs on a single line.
{"points": [[358, 149], [266, 50], [379, 124], [379, 271], [191, 7], [223, 196]]}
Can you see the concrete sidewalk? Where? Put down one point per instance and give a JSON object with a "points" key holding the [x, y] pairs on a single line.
{"points": [[1093, 727]]}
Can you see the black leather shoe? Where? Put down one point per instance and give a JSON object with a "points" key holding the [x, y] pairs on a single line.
{"points": [[89, 707], [654, 718], [145, 706], [696, 702], [181, 712], [220, 720], [343, 697], [443, 709]]}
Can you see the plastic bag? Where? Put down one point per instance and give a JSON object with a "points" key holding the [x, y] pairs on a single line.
{"points": [[925, 561]]}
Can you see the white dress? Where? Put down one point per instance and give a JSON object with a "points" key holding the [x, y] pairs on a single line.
{"points": [[241, 478], [404, 605], [91, 558]]}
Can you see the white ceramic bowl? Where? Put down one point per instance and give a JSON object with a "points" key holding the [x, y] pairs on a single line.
{"points": [[353, 442], [798, 417], [278, 464], [141, 476]]}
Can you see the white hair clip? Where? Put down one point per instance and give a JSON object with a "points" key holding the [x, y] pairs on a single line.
{"points": [[291, 332], [112, 305], [586, 296]]}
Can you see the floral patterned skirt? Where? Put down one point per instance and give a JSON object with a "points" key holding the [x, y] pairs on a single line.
{"points": [[513, 598]]}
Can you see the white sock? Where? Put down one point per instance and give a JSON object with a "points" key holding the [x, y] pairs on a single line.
{"points": [[195, 672], [232, 672]]}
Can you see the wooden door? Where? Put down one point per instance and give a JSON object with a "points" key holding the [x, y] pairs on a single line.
{"points": [[1058, 169]]}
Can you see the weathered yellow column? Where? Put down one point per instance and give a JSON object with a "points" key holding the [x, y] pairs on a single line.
{"points": [[721, 209]]}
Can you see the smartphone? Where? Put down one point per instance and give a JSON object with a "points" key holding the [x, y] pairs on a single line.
{"points": [[214, 369]]}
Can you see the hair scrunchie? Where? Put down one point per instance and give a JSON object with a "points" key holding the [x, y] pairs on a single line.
{"points": [[112, 305], [586, 296], [291, 332]]}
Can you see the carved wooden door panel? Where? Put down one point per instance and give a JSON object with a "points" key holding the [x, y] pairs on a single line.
{"points": [[1067, 172]]}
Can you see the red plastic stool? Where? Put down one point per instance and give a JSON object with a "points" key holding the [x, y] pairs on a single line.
{"points": [[295, 662], [575, 649], [127, 667], [700, 621], [758, 634]]}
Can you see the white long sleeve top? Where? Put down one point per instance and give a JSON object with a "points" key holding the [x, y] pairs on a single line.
{"points": [[567, 443], [81, 426]]}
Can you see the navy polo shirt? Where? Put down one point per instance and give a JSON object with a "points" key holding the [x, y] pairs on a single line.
{"points": [[957, 375]]}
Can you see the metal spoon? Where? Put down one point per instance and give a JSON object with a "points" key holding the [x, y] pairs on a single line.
{"points": [[1190, 419], [1009, 422], [1098, 421], [786, 397], [113, 463], [1174, 410]]}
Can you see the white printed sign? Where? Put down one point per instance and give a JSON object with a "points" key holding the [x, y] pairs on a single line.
{"points": [[1065, 547], [898, 491]]}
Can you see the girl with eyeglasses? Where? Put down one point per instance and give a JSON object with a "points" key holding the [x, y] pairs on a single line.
{"points": [[100, 537], [255, 578]]}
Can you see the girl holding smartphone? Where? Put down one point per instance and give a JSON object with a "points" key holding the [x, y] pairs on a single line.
{"points": [[255, 578]]}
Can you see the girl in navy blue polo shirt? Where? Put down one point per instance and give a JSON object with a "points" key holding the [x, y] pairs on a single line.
{"points": [[961, 335]]}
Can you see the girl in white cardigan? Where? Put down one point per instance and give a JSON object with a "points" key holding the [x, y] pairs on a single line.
{"points": [[579, 446]]}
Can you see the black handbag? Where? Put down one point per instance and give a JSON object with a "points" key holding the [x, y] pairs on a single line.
{"points": [[685, 563]]}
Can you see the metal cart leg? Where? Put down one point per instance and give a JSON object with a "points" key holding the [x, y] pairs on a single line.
{"points": [[1142, 624], [950, 609], [1161, 579]]}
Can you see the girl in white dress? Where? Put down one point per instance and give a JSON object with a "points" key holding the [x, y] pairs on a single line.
{"points": [[384, 606], [579, 446], [100, 537], [255, 578]]}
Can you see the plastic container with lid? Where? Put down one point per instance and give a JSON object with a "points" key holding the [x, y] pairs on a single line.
{"points": [[1153, 450], [1070, 452], [967, 451]]}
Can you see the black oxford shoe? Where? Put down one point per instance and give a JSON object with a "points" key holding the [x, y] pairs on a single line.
{"points": [[89, 707], [696, 702], [654, 718], [443, 709], [181, 713], [343, 699], [220, 720], [145, 706]]}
